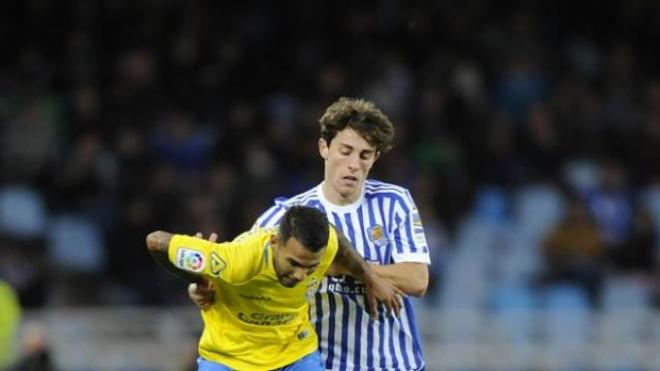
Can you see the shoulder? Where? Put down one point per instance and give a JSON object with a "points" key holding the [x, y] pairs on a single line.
{"points": [[272, 215], [378, 189], [307, 198], [299, 199]]}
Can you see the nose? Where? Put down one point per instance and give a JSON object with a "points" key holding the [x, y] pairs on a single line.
{"points": [[299, 274], [354, 163]]}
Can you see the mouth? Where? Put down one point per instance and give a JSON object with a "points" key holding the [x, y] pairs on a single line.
{"points": [[350, 179], [288, 281]]}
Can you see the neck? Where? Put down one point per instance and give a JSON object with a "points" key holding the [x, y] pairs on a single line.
{"points": [[337, 198]]}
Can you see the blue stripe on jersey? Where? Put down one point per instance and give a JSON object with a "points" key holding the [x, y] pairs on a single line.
{"points": [[337, 222], [318, 302], [318, 205], [397, 235], [301, 197], [417, 343], [275, 211], [390, 218], [372, 221], [402, 343], [365, 242], [386, 256], [344, 332], [395, 360], [411, 238], [315, 203], [332, 307], [381, 339], [358, 336], [349, 230], [377, 186], [370, 342], [388, 251]]}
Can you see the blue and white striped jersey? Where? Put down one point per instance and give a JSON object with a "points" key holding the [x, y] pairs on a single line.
{"points": [[384, 226]]}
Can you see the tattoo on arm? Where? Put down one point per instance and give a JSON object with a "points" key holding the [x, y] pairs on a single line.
{"points": [[349, 260], [158, 243]]}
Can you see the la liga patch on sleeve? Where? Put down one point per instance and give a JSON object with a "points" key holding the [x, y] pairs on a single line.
{"points": [[189, 260]]}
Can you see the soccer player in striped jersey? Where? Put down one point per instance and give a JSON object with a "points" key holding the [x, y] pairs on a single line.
{"points": [[383, 225], [264, 277]]}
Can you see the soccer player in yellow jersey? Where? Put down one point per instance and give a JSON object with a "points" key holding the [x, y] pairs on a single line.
{"points": [[264, 278]]}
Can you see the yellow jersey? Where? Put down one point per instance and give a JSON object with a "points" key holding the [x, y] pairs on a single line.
{"points": [[256, 323]]}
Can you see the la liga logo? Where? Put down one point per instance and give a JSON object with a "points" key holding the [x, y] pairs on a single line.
{"points": [[195, 261], [190, 260]]}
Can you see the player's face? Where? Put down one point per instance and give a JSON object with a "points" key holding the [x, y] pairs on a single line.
{"points": [[293, 262], [348, 160]]}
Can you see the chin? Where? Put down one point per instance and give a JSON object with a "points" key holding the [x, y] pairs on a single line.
{"points": [[288, 283]]}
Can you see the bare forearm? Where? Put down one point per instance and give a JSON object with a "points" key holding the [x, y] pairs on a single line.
{"points": [[411, 278], [349, 262], [157, 244]]}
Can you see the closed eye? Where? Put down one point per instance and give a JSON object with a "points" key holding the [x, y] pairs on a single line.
{"points": [[297, 264]]}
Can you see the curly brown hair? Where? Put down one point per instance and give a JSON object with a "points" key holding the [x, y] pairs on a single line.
{"points": [[362, 116]]}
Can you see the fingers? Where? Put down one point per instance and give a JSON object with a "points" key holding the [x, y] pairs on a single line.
{"points": [[200, 301], [192, 288], [202, 294], [393, 305], [213, 237], [394, 301], [397, 305], [400, 295], [373, 306]]}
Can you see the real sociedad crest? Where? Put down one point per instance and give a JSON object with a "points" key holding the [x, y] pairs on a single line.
{"points": [[376, 235]]}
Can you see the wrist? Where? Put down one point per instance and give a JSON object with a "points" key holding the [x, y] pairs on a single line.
{"points": [[369, 275]]}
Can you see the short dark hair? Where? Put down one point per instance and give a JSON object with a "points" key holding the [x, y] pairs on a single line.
{"points": [[362, 116], [308, 225]]}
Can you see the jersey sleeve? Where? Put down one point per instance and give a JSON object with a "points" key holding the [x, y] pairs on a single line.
{"points": [[331, 250], [234, 262], [408, 234]]}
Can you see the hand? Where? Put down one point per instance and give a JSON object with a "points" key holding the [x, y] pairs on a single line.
{"points": [[203, 292], [381, 290]]}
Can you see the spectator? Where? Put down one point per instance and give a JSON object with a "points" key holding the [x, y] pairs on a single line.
{"points": [[573, 251]]}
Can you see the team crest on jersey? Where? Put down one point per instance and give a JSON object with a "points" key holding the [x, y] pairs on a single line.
{"points": [[311, 288], [376, 235], [190, 260], [217, 264]]}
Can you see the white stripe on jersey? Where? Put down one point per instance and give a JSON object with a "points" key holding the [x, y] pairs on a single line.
{"points": [[349, 340]]}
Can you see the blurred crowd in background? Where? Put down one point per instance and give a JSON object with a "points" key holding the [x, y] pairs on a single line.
{"points": [[121, 117]]}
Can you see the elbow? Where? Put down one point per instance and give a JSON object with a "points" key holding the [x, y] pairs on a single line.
{"points": [[418, 289], [157, 241]]}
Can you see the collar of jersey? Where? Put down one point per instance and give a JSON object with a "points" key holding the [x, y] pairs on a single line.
{"points": [[337, 208]]}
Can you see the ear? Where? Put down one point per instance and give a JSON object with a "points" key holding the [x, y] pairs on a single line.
{"points": [[376, 156], [323, 148]]}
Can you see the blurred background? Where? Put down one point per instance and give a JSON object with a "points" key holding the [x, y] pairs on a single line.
{"points": [[528, 133]]}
